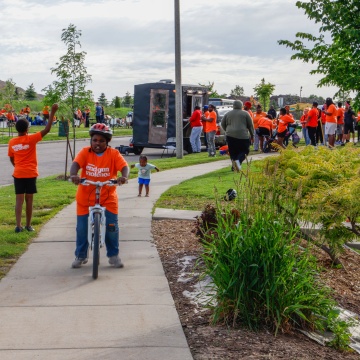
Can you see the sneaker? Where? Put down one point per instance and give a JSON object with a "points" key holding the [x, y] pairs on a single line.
{"points": [[116, 261], [78, 262], [18, 229], [29, 228]]}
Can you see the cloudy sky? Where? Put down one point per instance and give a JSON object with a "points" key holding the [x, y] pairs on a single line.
{"points": [[128, 42]]}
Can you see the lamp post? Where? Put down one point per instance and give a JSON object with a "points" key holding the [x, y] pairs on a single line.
{"points": [[300, 93], [178, 93]]}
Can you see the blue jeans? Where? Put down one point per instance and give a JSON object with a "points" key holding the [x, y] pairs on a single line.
{"points": [[111, 235], [306, 136], [195, 138], [210, 137]]}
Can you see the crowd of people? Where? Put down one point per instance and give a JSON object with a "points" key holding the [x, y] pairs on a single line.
{"points": [[328, 125], [9, 114], [81, 116]]}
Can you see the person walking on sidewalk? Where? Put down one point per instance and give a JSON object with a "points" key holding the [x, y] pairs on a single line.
{"points": [[98, 162], [144, 174], [239, 129], [22, 154]]}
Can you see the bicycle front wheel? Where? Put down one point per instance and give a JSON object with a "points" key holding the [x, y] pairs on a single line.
{"points": [[96, 246]]}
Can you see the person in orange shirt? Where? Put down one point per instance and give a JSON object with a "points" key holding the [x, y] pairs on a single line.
{"points": [[22, 154], [256, 117], [206, 115], [210, 129], [247, 107], [331, 121], [312, 122], [340, 124], [98, 162], [11, 116], [265, 127], [303, 121], [27, 112], [45, 113], [284, 121]]}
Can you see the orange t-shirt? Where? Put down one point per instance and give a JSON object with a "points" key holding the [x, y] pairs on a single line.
{"points": [[10, 116], [313, 114], [46, 109], [98, 168], [250, 113], [284, 120], [257, 117], [340, 116], [206, 114], [265, 122], [211, 125], [23, 150], [331, 118], [27, 110]]}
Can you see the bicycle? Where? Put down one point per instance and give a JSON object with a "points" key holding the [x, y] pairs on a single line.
{"points": [[97, 222]]}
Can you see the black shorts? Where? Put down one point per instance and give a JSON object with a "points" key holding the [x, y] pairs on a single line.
{"points": [[349, 128], [282, 134], [263, 131], [25, 185]]}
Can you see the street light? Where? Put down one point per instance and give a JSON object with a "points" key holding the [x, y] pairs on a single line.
{"points": [[178, 93], [300, 93]]}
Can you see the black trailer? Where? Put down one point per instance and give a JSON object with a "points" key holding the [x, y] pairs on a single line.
{"points": [[154, 113]]}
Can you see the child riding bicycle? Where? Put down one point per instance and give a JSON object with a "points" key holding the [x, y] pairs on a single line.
{"points": [[98, 162]]}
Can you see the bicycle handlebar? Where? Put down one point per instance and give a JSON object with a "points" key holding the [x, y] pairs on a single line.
{"points": [[86, 182]]}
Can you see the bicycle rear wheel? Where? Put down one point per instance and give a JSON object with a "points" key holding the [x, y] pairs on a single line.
{"points": [[96, 246]]}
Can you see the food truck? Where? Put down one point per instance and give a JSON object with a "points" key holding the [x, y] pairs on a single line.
{"points": [[154, 113]]}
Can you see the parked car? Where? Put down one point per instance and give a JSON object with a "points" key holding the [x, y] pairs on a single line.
{"points": [[220, 139]]}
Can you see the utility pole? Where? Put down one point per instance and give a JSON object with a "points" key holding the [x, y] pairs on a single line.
{"points": [[178, 92], [300, 93]]}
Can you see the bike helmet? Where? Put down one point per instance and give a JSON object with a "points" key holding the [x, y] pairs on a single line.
{"points": [[230, 195], [101, 129]]}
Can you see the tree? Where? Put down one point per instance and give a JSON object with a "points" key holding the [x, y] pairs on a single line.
{"points": [[237, 92], [9, 91], [30, 93], [128, 100], [263, 92], [103, 100], [70, 87], [337, 56], [117, 102], [212, 91]]}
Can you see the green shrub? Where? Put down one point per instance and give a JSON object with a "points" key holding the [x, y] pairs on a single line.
{"points": [[327, 181], [260, 274]]}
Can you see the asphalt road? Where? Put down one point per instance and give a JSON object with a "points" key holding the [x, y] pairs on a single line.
{"points": [[52, 157]]}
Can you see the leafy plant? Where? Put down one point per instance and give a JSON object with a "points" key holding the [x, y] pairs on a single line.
{"points": [[326, 183], [261, 276], [340, 330]]}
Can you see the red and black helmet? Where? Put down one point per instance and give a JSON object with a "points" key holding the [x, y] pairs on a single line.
{"points": [[101, 129]]}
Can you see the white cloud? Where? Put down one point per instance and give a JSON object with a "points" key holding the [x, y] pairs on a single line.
{"points": [[130, 42]]}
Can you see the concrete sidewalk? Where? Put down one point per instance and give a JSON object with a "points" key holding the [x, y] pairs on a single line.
{"points": [[50, 311]]}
